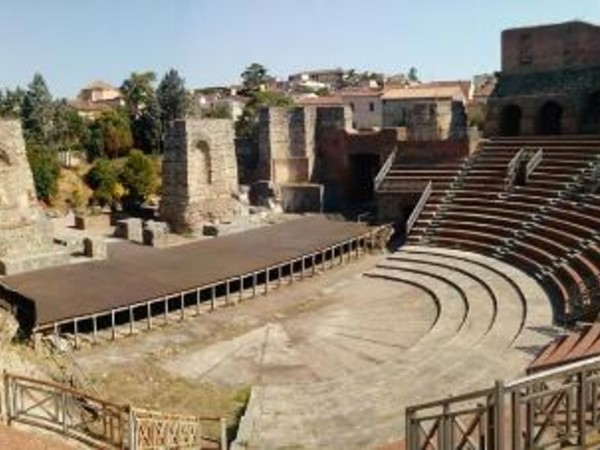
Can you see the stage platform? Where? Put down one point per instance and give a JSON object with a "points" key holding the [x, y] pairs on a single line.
{"points": [[139, 275]]}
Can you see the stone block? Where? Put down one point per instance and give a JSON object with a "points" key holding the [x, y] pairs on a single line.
{"points": [[156, 234], [95, 248]]}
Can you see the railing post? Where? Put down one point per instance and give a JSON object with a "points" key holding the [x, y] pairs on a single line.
{"points": [[410, 436], [581, 408], [131, 431], [223, 433], [499, 415], [7, 396]]}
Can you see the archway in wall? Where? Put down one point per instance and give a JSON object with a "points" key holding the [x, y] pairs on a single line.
{"points": [[590, 118], [510, 121], [363, 170], [549, 119]]}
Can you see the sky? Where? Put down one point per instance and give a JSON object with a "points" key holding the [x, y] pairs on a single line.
{"points": [[210, 42]]}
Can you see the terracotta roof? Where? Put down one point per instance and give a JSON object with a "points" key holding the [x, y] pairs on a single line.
{"points": [[99, 84], [326, 100], [429, 90], [82, 105], [365, 92]]}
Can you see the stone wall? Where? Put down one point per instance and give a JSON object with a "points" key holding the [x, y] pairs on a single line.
{"points": [[200, 179], [286, 134], [25, 234]]}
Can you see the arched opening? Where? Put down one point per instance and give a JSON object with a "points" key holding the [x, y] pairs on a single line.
{"points": [[590, 119], [549, 120], [205, 162], [510, 121]]}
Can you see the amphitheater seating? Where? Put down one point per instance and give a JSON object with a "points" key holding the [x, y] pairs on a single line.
{"points": [[568, 348], [488, 313], [544, 226]]}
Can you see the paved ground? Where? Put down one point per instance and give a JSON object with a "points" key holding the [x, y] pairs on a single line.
{"points": [[12, 438]]}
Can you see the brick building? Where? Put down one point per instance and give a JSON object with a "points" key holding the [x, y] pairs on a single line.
{"points": [[549, 83]]}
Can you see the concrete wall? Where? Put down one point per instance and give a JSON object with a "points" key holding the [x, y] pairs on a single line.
{"points": [[200, 175]]}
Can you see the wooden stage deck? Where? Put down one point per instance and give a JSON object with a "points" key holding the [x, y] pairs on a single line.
{"points": [[134, 274]]}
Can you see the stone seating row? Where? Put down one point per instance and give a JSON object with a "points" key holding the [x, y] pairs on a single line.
{"points": [[489, 312]]}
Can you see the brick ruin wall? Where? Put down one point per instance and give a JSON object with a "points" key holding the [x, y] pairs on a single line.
{"points": [[200, 179]]}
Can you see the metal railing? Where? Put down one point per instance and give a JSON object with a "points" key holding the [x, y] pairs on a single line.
{"points": [[534, 161], [410, 223], [387, 165], [512, 168], [103, 424], [552, 409]]}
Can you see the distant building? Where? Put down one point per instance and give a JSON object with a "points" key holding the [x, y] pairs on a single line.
{"points": [[97, 98], [482, 87], [429, 111], [332, 78], [206, 100], [366, 106]]}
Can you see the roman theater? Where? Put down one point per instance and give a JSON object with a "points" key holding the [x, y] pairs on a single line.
{"points": [[460, 313]]}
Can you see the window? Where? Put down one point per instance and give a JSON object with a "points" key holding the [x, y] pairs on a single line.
{"points": [[525, 49], [371, 106]]}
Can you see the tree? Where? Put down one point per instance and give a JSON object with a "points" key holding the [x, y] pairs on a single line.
{"points": [[144, 110], [116, 133], [247, 124], [137, 89], [254, 78], [221, 110], [37, 110], [69, 130], [139, 178], [413, 75], [103, 180], [172, 96], [45, 169], [147, 129], [94, 145], [11, 102]]}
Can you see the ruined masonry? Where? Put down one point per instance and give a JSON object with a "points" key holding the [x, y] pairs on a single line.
{"points": [[25, 233], [200, 181]]}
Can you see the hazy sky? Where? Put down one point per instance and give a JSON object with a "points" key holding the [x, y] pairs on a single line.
{"points": [[72, 42]]}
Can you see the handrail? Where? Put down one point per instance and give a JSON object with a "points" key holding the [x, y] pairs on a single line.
{"points": [[404, 185], [77, 414], [534, 161], [512, 168], [509, 416], [387, 165], [410, 223]]}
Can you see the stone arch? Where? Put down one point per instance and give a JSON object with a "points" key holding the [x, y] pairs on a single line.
{"points": [[549, 119], [590, 117], [510, 120], [205, 161]]}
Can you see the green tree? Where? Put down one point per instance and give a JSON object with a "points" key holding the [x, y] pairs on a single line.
{"points": [[46, 170], [172, 96], [254, 77], [116, 133], [37, 110], [11, 102], [413, 75], [144, 110], [94, 145], [247, 124], [137, 89], [219, 111], [147, 128], [102, 178], [69, 131], [139, 178]]}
